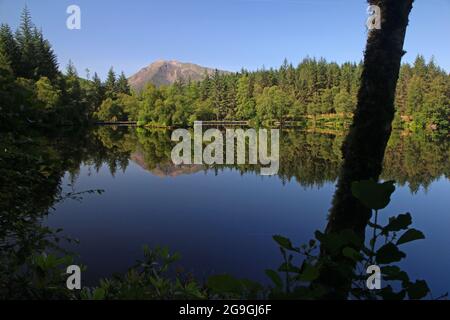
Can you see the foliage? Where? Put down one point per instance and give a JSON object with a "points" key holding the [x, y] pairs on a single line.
{"points": [[423, 97], [47, 94], [149, 279], [315, 93], [313, 88], [33, 90], [110, 110], [397, 282], [31, 169]]}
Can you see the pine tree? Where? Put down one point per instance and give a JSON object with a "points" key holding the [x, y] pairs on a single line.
{"points": [[98, 89], [9, 47], [46, 61], [7, 102], [282, 74], [343, 102], [230, 98], [420, 66], [218, 97], [122, 84], [402, 89], [436, 102], [415, 95], [73, 96], [26, 43], [71, 71], [205, 87], [245, 102], [95, 94], [110, 84]]}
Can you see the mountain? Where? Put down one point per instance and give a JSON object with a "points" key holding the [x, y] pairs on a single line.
{"points": [[163, 72]]}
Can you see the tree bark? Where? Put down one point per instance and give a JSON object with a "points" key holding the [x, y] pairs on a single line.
{"points": [[364, 147]]}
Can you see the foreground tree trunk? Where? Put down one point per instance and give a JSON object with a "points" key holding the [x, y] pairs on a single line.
{"points": [[363, 148]]}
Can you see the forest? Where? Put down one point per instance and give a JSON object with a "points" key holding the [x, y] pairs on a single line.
{"points": [[35, 94], [34, 91]]}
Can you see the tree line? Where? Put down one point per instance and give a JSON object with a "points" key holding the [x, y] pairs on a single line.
{"points": [[32, 88], [313, 88], [34, 91]]}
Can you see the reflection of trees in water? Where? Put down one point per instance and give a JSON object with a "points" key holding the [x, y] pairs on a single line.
{"points": [[111, 146], [312, 159], [32, 170], [33, 167], [416, 160], [309, 158], [155, 146]]}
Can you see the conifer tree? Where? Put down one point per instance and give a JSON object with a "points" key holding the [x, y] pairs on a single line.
{"points": [[46, 61], [26, 43], [245, 101], [73, 96], [122, 84], [7, 103], [110, 84], [9, 47]]}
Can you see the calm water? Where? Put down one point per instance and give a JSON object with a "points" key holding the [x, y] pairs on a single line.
{"points": [[222, 219]]}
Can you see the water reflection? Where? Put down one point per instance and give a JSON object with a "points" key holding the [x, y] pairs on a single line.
{"points": [[309, 158], [33, 169]]}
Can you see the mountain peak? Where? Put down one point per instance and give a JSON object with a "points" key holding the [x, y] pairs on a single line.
{"points": [[165, 72]]}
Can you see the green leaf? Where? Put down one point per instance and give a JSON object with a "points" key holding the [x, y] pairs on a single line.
{"points": [[251, 286], [410, 235], [284, 242], [394, 273], [389, 253], [275, 277], [352, 254], [372, 194], [224, 283], [402, 221], [309, 273], [387, 293], [335, 242], [418, 290], [99, 294], [288, 267]]}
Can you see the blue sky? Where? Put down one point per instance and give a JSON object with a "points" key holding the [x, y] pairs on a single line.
{"points": [[224, 34]]}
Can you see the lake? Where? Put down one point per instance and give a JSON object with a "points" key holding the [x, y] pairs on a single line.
{"points": [[221, 219]]}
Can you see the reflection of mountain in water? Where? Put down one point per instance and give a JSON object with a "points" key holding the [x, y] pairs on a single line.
{"points": [[166, 169], [310, 158]]}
